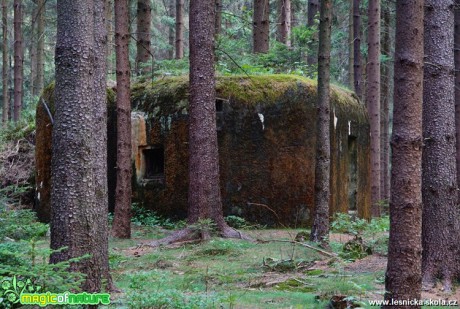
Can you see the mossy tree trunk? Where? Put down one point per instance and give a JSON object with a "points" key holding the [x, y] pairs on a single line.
{"points": [[403, 275], [261, 26], [79, 160], [143, 44], [373, 99], [351, 49], [18, 59], [320, 228], [122, 218], [441, 226], [5, 66]]}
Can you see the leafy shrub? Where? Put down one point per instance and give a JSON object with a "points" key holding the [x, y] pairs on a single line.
{"points": [[146, 217], [20, 225]]}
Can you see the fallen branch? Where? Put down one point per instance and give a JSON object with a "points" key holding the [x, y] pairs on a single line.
{"points": [[326, 253]]}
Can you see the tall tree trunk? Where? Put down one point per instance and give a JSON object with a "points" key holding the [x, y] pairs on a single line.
{"points": [[373, 99], [40, 77], [180, 29], [261, 26], [403, 276], [33, 50], [122, 219], [358, 78], [312, 56], [385, 112], [320, 229], [218, 23], [351, 50], [109, 19], [144, 54], [172, 11], [79, 159], [441, 229], [284, 22], [5, 97], [18, 59], [457, 84], [204, 198]]}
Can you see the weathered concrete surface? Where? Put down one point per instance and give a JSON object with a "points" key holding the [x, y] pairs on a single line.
{"points": [[266, 133]]}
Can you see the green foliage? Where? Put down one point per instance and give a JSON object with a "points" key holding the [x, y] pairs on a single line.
{"points": [[345, 223], [20, 225], [355, 249], [145, 217], [217, 247]]}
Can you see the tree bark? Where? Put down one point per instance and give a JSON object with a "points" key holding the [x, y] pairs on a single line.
{"points": [[144, 54], [403, 276], [33, 49], [457, 85], [5, 67], [218, 23], [121, 227], [358, 78], [40, 77], [385, 108], [441, 229], [320, 228], [172, 10], [18, 60], [261, 26], [109, 19], [351, 50], [373, 99], [180, 29], [284, 22], [204, 197], [79, 159], [312, 57]]}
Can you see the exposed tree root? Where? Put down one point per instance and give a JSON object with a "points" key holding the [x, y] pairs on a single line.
{"points": [[188, 234]]}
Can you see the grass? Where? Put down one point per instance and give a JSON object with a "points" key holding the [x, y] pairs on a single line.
{"points": [[225, 273]]}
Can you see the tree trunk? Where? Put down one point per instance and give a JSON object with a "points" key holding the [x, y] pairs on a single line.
{"points": [[33, 50], [320, 228], [284, 22], [40, 77], [172, 9], [144, 18], [204, 198], [457, 84], [121, 227], [312, 58], [358, 79], [79, 159], [441, 229], [403, 276], [180, 29], [351, 50], [18, 59], [385, 112], [373, 99], [5, 67], [109, 19], [261, 26], [218, 23]]}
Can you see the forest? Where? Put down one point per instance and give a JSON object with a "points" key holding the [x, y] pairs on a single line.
{"points": [[230, 154]]}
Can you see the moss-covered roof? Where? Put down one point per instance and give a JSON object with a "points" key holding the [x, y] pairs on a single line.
{"points": [[170, 95]]}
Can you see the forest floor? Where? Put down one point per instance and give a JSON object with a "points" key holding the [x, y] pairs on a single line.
{"points": [[225, 273]]}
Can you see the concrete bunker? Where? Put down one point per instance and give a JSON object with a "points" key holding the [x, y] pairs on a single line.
{"points": [[266, 133]]}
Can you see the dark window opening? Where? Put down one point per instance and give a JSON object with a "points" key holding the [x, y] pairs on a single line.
{"points": [[219, 106], [154, 163]]}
